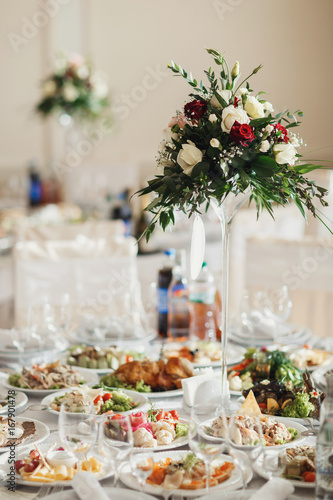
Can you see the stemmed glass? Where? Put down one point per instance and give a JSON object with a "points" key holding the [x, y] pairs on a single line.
{"points": [[277, 305], [142, 466], [204, 445], [115, 441], [77, 431], [274, 462]]}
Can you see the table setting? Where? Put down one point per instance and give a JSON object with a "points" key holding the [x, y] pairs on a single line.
{"points": [[98, 402]]}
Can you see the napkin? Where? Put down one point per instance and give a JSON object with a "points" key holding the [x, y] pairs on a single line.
{"points": [[87, 487], [202, 388], [275, 489]]}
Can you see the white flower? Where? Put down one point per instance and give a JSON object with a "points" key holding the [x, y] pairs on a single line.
{"points": [[100, 87], [241, 91], [82, 72], [214, 143], [230, 114], [49, 88], [235, 70], [269, 129], [294, 140], [225, 168], [254, 108], [212, 118], [284, 153], [188, 157], [268, 107], [170, 135], [264, 146], [226, 95], [70, 92]]}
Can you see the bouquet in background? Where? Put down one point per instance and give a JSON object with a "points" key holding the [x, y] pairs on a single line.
{"points": [[74, 89], [227, 140]]}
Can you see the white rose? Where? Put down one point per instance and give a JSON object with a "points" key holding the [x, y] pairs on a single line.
{"points": [[214, 143], [269, 129], [100, 87], [254, 108], [70, 92], [214, 102], [295, 141], [49, 88], [188, 157], [284, 153], [230, 115], [268, 107], [82, 72], [264, 146], [212, 118]]}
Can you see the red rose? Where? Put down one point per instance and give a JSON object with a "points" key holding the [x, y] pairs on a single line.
{"points": [[283, 137], [194, 110], [242, 133]]}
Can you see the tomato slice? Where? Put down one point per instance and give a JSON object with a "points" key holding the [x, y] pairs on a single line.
{"points": [[160, 415], [263, 406], [174, 414], [97, 399], [107, 396], [129, 358]]}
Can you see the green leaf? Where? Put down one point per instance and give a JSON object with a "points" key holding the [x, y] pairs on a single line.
{"points": [[200, 169], [153, 203]]}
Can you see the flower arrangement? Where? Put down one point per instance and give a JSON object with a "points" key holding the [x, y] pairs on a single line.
{"points": [[73, 89], [227, 140]]}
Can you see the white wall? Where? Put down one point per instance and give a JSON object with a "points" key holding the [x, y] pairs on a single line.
{"points": [[131, 39]]}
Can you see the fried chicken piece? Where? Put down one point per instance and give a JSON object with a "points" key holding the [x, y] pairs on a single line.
{"points": [[179, 368]]}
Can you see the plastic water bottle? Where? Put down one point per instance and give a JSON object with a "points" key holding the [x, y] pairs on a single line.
{"points": [[324, 454], [202, 306], [163, 281], [178, 316]]}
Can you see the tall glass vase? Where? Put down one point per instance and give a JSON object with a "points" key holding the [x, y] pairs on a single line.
{"points": [[226, 211]]}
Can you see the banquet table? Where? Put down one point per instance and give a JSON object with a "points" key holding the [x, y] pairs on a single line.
{"points": [[51, 421]]}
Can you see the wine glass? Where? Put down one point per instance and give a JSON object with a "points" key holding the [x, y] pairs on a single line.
{"points": [[201, 441], [274, 462], [277, 305], [142, 466], [245, 434], [115, 441], [77, 431]]}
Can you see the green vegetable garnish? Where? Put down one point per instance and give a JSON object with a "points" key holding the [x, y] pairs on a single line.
{"points": [[300, 407], [181, 430]]}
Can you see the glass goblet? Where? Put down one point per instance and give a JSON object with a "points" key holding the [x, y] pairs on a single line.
{"points": [[142, 466]]}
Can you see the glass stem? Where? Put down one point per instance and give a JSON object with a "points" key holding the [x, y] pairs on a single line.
{"points": [[225, 229]]}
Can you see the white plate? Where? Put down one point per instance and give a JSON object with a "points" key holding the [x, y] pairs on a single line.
{"points": [[259, 469], [291, 334], [9, 351], [139, 399], [233, 483], [117, 493], [164, 394], [42, 432], [176, 443], [19, 397], [80, 337], [89, 378], [286, 421], [4, 467]]}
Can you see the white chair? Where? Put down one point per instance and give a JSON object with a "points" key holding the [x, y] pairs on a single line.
{"points": [[305, 266], [99, 276]]}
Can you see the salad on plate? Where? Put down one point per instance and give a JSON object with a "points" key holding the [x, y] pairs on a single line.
{"points": [[53, 376]]}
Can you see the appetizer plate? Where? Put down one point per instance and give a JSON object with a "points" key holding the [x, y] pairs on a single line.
{"points": [[304, 421], [87, 375], [176, 443], [286, 421], [118, 493], [139, 399], [258, 467], [235, 353], [42, 432], [19, 397], [24, 452], [233, 483]]}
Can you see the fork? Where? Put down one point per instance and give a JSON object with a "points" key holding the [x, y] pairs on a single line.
{"points": [[47, 490]]}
